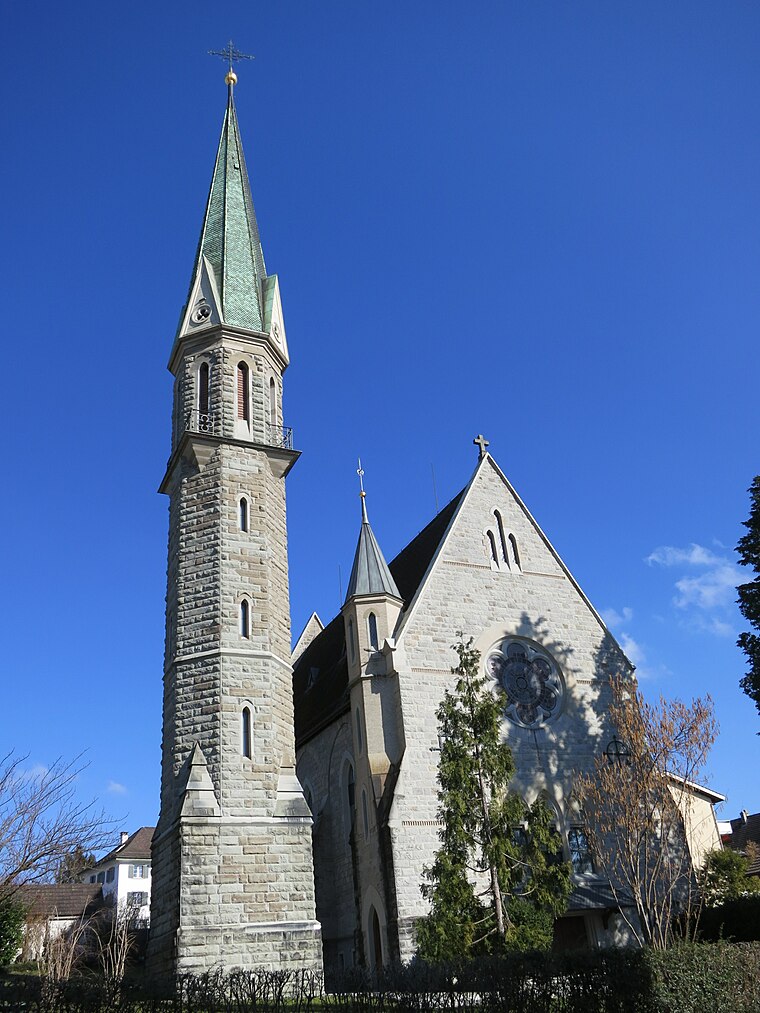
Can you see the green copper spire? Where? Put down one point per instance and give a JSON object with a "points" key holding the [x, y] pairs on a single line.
{"points": [[229, 239]]}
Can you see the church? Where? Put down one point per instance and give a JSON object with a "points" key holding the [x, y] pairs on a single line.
{"points": [[298, 788]]}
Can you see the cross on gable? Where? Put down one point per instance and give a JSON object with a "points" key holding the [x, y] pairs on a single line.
{"points": [[481, 443], [230, 54]]}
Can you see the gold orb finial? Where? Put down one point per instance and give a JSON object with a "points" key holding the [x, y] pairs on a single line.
{"points": [[231, 77]]}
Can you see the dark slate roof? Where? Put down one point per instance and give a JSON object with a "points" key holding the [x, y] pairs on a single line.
{"points": [[320, 675], [597, 897], [64, 900], [137, 846], [744, 833], [370, 573]]}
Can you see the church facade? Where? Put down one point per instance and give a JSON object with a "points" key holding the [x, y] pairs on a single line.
{"points": [[298, 789]]}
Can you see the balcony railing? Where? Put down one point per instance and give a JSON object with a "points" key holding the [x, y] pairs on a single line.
{"points": [[202, 422], [209, 424], [280, 436]]}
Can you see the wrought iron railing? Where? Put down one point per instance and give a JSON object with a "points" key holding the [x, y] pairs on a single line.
{"points": [[202, 422], [210, 424], [280, 436]]}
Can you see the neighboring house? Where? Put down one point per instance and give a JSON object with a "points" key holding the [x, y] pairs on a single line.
{"points": [[697, 806], [745, 837], [125, 873], [54, 909]]}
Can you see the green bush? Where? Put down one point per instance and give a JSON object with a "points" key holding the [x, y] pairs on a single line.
{"points": [[11, 929], [737, 920]]}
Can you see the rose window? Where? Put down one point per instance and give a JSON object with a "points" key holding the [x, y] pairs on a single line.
{"points": [[530, 679]]}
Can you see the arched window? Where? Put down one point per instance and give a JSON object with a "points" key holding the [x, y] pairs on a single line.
{"points": [[203, 389], [502, 539], [350, 796], [358, 719], [372, 630], [245, 618], [365, 815], [375, 940], [243, 388], [245, 731], [351, 640], [243, 514], [492, 547], [272, 402], [515, 553]]}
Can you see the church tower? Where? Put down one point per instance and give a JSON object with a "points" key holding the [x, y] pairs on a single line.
{"points": [[232, 864]]}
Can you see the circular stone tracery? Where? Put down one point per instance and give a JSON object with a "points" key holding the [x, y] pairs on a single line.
{"points": [[530, 679]]}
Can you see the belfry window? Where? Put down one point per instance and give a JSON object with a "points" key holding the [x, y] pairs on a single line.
{"points": [[365, 815], [203, 389], [372, 630], [243, 514], [245, 618], [243, 392], [245, 732], [351, 640]]}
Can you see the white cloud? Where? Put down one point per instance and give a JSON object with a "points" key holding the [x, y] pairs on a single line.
{"points": [[615, 619], [633, 650], [706, 597], [116, 789], [35, 772]]}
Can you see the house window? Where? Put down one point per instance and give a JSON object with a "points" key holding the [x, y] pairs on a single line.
{"points": [[245, 732], [92, 879], [110, 874], [245, 619], [372, 630], [365, 815], [101, 877], [580, 851], [243, 514], [138, 872], [243, 386], [515, 553], [203, 389], [137, 899]]}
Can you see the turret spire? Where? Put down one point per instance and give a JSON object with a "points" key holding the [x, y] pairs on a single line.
{"points": [[370, 573]]}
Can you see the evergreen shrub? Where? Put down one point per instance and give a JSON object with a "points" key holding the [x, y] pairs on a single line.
{"points": [[736, 920]]}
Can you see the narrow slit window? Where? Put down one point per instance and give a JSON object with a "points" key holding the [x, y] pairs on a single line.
{"points": [[514, 552], [203, 389], [243, 514], [503, 540], [359, 741], [492, 546], [372, 630], [243, 386], [351, 640], [245, 732], [365, 814], [272, 403], [245, 619]]}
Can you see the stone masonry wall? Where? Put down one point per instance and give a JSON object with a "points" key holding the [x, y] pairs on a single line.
{"points": [[537, 601]]}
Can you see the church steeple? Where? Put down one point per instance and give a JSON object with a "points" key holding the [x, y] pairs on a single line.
{"points": [[229, 284]]}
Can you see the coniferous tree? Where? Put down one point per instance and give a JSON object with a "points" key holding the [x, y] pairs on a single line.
{"points": [[498, 879], [749, 595]]}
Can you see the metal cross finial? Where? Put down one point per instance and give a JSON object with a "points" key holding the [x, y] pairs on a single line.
{"points": [[481, 443], [362, 493], [230, 54]]}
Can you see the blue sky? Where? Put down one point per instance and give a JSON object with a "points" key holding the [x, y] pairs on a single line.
{"points": [[539, 221]]}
